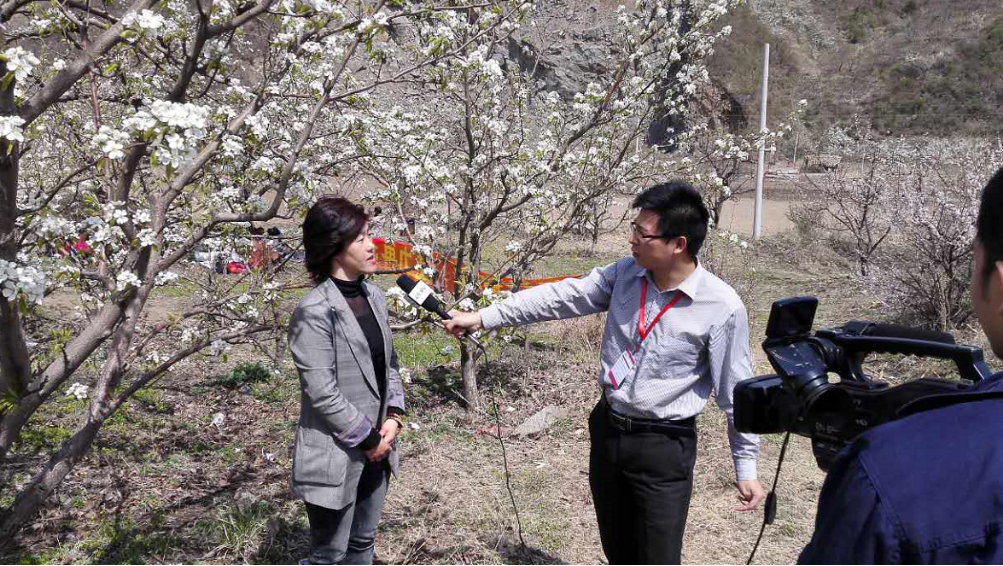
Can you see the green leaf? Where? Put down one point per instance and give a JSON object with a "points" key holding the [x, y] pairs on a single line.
{"points": [[7, 79], [9, 400]]}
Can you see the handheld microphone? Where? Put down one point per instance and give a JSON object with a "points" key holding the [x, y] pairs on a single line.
{"points": [[421, 294]]}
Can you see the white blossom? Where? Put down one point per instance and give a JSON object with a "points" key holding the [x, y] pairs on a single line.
{"points": [[10, 128], [20, 62], [146, 238], [112, 142], [165, 277], [148, 21], [218, 347], [77, 391], [127, 279], [22, 281]]}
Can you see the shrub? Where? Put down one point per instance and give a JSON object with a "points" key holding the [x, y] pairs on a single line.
{"points": [[245, 374]]}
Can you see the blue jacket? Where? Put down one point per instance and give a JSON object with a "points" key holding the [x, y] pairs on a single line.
{"points": [[924, 489]]}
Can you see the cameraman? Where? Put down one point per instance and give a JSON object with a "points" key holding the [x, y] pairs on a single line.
{"points": [[673, 333], [928, 488]]}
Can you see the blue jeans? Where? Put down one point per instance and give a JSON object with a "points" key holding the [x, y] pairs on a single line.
{"points": [[348, 536]]}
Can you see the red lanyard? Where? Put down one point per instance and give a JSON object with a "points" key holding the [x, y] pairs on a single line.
{"points": [[640, 321]]}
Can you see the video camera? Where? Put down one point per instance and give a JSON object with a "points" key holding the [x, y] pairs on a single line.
{"points": [[800, 398]]}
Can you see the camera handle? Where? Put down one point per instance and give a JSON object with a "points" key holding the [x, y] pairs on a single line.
{"points": [[968, 359]]}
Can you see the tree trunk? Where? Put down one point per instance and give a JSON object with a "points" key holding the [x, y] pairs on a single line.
{"points": [[31, 498], [58, 371], [15, 361], [468, 372]]}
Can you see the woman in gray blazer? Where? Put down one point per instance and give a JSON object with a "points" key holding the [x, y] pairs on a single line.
{"points": [[352, 400]]}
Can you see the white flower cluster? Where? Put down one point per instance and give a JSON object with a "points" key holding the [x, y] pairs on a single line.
{"points": [[147, 238], [165, 277], [20, 62], [186, 116], [374, 24], [24, 281], [189, 334], [147, 21], [733, 239], [258, 124], [127, 279], [77, 391], [56, 227], [490, 297], [112, 142], [178, 125], [398, 301], [479, 61], [270, 291], [10, 128], [218, 347]]}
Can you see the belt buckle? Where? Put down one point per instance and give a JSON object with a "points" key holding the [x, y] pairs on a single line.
{"points": [[628, 424]]}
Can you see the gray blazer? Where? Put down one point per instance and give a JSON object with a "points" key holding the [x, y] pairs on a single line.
{"points": [[340, 401]]}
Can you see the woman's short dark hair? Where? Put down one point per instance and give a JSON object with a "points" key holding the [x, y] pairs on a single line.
{"points": [[988, 229], [680, 210], [330, 226]]}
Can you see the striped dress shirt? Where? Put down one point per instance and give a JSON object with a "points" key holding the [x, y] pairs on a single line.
{"points": [[700, 344]]}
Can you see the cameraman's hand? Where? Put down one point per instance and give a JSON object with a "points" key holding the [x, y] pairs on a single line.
{"points": [[462, 323], [750, 493]]}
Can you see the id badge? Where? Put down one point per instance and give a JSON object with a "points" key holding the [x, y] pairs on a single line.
{"points": [[621, 370]]}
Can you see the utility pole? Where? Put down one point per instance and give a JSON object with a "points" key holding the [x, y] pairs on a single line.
{"points": [[757, 222]]}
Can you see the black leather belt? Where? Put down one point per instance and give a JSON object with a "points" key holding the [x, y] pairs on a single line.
{"points": [[683, 427]]}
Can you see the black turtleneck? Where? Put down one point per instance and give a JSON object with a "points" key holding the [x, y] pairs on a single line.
{"points": [[355, 295]]}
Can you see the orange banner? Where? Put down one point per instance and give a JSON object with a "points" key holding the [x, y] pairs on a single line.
{"points": [[395, 255]]}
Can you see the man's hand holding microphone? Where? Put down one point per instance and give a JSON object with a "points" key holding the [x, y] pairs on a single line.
{"points": [[457, 323], [462, 323]]}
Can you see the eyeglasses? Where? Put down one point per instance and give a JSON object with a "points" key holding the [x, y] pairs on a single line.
{"points": [[640, 234]]}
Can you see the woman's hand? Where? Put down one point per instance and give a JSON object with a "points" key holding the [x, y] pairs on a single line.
{"points": [[388, 433], [381, 451], [390, 430]]}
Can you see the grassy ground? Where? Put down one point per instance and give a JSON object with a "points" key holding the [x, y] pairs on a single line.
{"points": [[165, 484]]}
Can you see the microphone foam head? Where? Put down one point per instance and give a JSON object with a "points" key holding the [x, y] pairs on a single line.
{"points": [[405, 282]]}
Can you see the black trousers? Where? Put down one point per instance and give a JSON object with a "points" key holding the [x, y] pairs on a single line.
{"points": [[641, 486], [348, 535]]}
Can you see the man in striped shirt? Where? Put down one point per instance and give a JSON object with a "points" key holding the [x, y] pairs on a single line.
{"points": [[674, 332]]}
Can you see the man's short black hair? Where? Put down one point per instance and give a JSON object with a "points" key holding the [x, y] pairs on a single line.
{"points": [[989, 227], [681, 212]]}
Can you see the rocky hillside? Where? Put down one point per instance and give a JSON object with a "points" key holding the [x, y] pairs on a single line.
{"points": [[907, 67], [896, 67]]}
